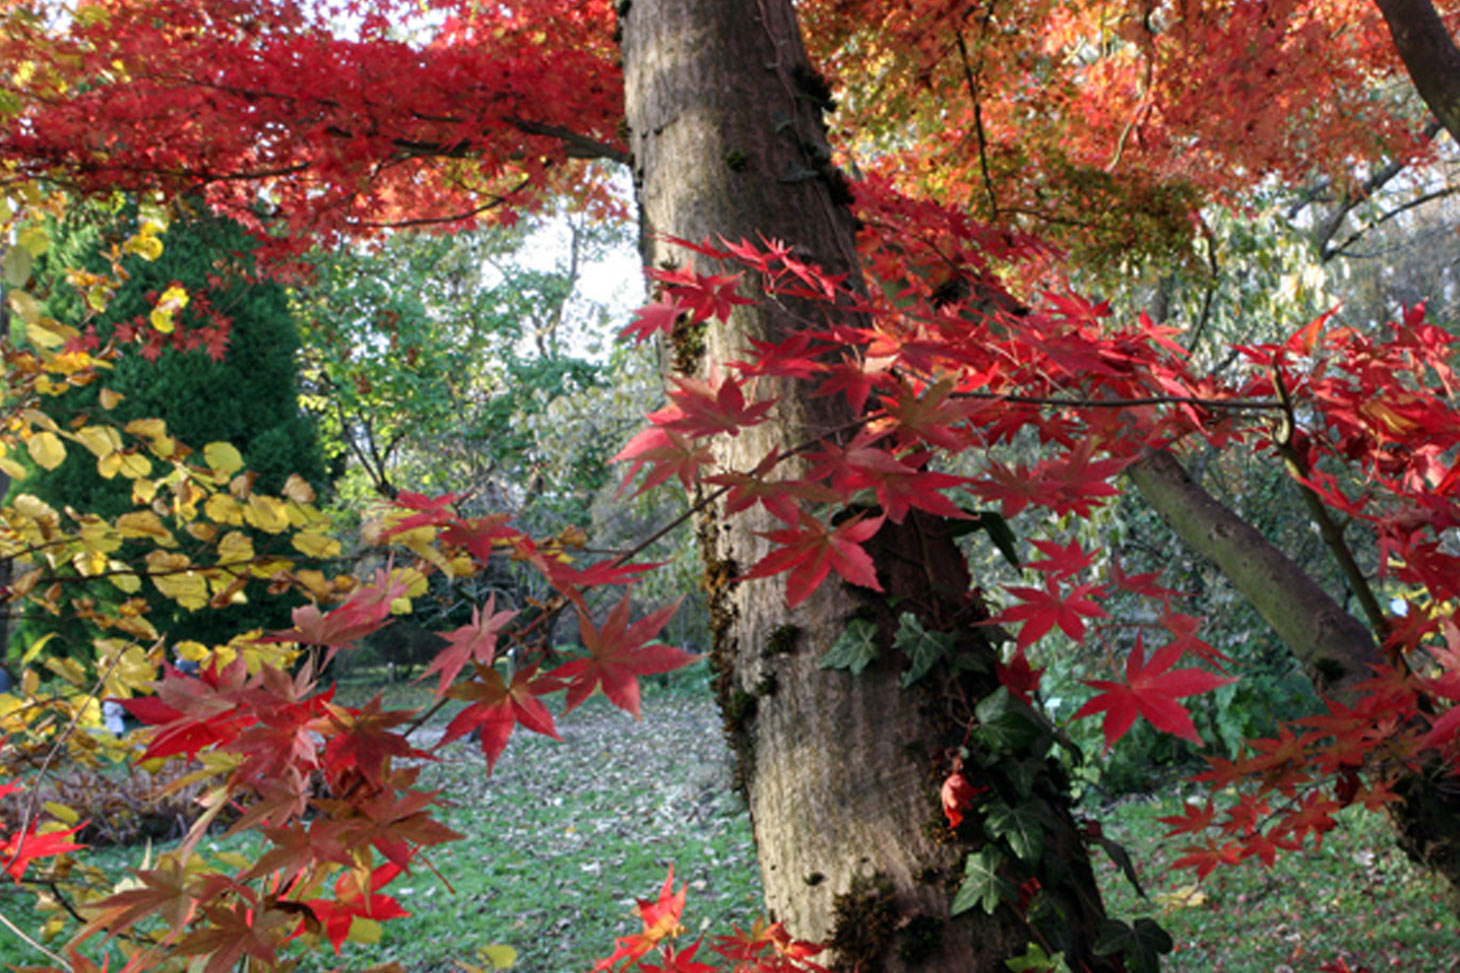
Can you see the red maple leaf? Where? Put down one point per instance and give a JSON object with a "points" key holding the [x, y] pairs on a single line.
{"points": [[475, 641], [1150, 691], [1043, 609], [497, 707], [667, 453], [661, 920], [708, 407], [618, 653], [479, 535], [19, 850], [747, 947], [658, 317], [336, 915], [705, 296], [362, 740], [812, 549], [1061, 561]]}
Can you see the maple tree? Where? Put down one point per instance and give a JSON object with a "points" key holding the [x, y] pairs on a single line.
{"points": [[826, 385]]}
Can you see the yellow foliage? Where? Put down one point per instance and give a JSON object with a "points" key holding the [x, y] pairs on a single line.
{"points": [[223, 458], [268, 514], [315, 545], [46, 449]]}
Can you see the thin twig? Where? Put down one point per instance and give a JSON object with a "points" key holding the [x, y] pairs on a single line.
{"points": [[1331, 532]]}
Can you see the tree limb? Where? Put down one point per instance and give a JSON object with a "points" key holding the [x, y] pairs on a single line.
{"points": [[1334, 648]]}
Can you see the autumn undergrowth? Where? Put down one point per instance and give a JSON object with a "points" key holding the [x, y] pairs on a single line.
{"points": [[563, 836], [1356, 899]]}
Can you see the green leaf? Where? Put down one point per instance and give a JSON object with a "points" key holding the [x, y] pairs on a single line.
{"points": [[1022, 827], [998, 529], [1036, 960], [1142, 944], [922, 647], [855, 650], [1013, 732], [1022, 774], [992, 706], [17, 267], [982, 883], [1121, 857]]}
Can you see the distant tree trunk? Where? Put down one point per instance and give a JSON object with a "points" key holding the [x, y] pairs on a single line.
{"points": [[841, 773], [1335, 649]]}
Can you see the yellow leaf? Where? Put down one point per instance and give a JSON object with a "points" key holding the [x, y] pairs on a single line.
{"points": [[62, 812], [35, 648], [234, 859], [46, 449], [23, 304], [500, 956], [18, 262], [223, 509], [35, 239], [109, 399], [315, 545], [147, 428], [267, 513], [364, 930], [171, 576], [133, 465], [235, 548], [68, 669], [101, 440], [89, 564], [144, 244], [145, 523], [98, 535], [11, 468], [191, 651], [124, 580], [163, 447], [222, 458], [173, 299]]}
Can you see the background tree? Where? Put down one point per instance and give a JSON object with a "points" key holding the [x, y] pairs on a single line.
{"points": [[223, 371]]}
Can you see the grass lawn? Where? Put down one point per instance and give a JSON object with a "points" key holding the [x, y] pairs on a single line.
{"points": [[564, 836]]}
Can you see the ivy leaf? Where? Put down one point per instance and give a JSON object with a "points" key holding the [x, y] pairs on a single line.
{"points": [[1142, 944], [1036, 960], [992, 523], [922, 647], [855, 649], [1121, 857], [982, 884], [1022, 827]]}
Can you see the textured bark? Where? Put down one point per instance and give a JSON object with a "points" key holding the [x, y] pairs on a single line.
{"points": [[1429, 55], [840, 772]]}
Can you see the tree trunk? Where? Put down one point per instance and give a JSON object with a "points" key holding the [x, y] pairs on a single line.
{"points": [[841, 772]]}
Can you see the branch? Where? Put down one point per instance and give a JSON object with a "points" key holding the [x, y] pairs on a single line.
{"points": [[578, 146], [1430, 56], [1331, 532], [1334, 648], [1330, 252]]}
